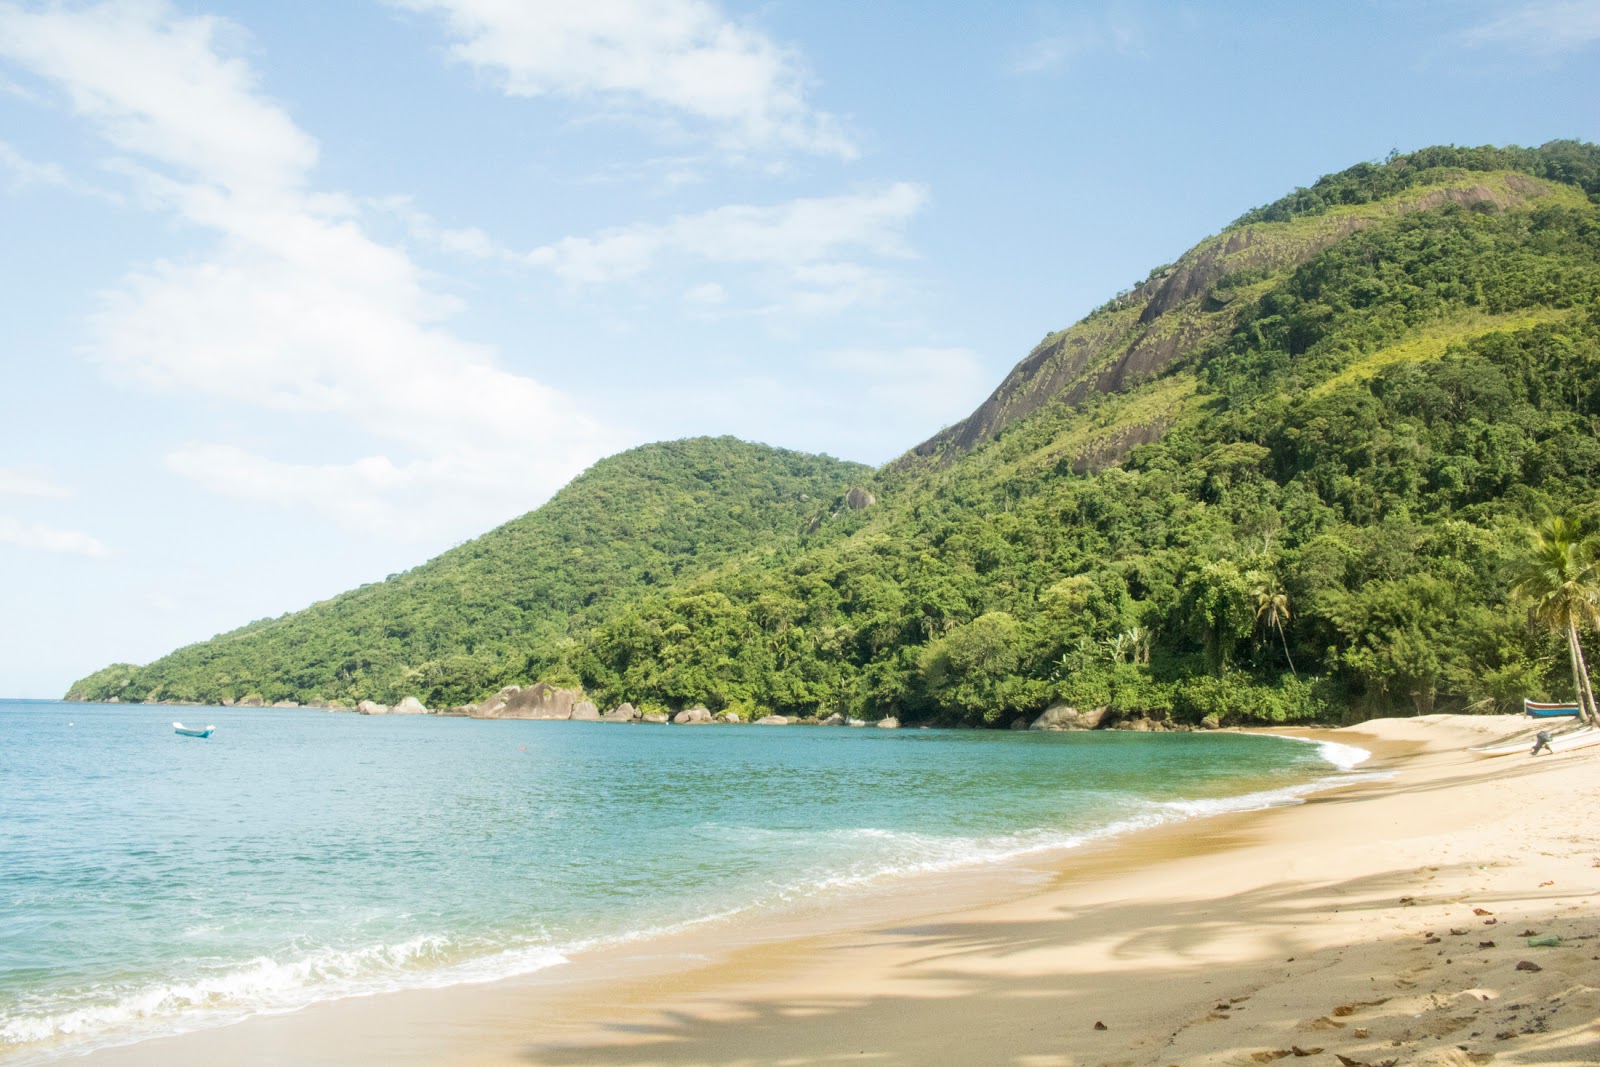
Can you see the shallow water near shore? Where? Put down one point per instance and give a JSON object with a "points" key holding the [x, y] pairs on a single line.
{"points": [[154, 883]]}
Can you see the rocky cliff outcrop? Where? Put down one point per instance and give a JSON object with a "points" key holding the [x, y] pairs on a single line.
{"points": [[1065, 717], [540, 700]]}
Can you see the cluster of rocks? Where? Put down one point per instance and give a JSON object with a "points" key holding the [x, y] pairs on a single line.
{"points": [[1066, 717], [545, 701]]}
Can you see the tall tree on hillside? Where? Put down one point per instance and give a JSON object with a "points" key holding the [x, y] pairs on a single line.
{"points": [[1272, 608], [1559, 576]]}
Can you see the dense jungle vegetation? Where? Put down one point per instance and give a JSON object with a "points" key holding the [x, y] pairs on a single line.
{"points": [[1310, 511]]}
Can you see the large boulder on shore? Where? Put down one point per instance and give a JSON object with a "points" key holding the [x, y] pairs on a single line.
{"points": [[695, 716], [585, 709], [1066, 717], [832, 720], [772, 720], [369, 707], [621, 713], [286, 703], [540, 700], [409, 706], [891, 723], [652, 716], [251, 701], [729, 716]]}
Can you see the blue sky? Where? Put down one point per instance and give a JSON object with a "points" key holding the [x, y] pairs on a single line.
{"points": [[299, 295]]}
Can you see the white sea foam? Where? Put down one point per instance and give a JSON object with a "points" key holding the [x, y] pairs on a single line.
{"points": [[259, 986]]}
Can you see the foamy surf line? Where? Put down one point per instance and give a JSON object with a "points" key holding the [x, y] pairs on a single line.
{"points": [[264, 987]]}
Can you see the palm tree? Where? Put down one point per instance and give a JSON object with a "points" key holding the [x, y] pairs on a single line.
{"points": [[1560, 578], [1272, 607]]}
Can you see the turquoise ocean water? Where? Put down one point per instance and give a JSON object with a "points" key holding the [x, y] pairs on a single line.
{"points": [[151, 883]]}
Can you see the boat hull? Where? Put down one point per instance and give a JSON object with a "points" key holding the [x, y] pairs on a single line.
{"points": [[191, 731]]}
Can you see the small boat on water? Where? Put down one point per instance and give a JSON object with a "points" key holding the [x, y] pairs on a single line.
{"points": [[191, 731], [1550, 711], [1578, 735]]}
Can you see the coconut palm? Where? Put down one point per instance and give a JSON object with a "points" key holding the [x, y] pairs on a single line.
{"points": [[1272, 608], [1559, 576]]}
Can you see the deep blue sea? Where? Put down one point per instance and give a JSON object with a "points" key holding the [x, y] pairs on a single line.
{"points": [[151, 883]]}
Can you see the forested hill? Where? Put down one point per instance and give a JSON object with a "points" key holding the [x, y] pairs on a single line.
{"points": [[491, 609], [1282, 478]]}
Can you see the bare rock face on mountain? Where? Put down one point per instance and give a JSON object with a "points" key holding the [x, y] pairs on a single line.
{"points": [[858, 498], [621, 713], [695, 716], [585, 709], [1065, 717], [1175, 311], [409, 706]]}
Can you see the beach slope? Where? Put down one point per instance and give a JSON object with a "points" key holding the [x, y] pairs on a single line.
{"points": [[1395, 920]]}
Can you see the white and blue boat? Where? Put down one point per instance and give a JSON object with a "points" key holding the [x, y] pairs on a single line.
{"points": [[1540, 710], [191, 731]]}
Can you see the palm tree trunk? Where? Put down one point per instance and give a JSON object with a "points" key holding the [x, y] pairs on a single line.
{"points": [[1580, 676], [1286, 655], [1588, 686]]}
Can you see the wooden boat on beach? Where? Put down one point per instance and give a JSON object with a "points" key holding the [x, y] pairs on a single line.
{"points": [[1578, 735], [1550, 711], [191, 731]]}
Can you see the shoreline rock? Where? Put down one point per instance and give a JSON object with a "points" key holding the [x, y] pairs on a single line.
{"points": [[1067, 717]]}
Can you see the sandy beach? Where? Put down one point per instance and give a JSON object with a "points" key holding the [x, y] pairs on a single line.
{"points": [[1383, 922]]}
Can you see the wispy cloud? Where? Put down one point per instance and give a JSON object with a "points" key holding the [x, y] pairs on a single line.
{"points": [[16, 482], [25, 173], [681, 58], [811, 248], [809, 255], [296, 308], [1544, 26], [1066, 39], [32, 535]]}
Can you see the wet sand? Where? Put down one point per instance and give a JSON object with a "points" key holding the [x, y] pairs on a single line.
{"points": [[1383, 922]]}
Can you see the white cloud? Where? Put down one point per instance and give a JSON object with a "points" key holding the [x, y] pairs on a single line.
{"points": [[805, 242], [25, 172], [706, 294], [1068, 37], [49, 539], [679, 57], [15, 482], [1544, 26], [296, 308]]}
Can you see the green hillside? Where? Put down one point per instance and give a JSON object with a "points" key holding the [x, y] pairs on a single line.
{"points": [[1281, 478], [503, 607]]}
